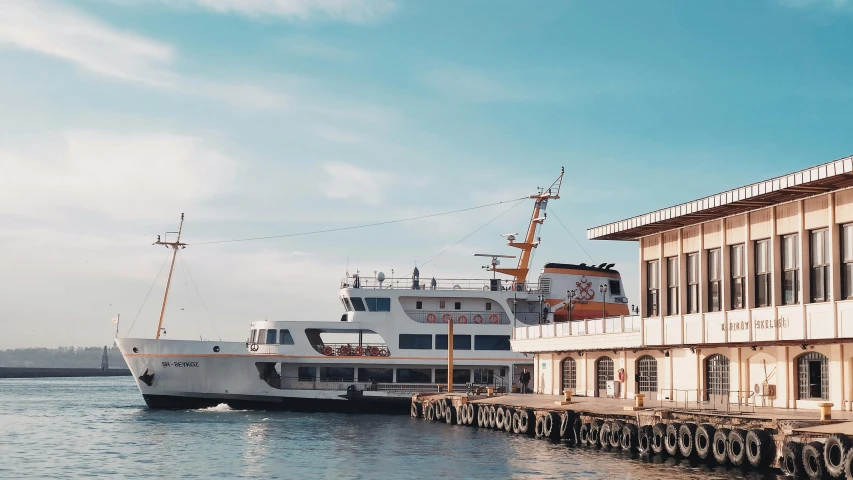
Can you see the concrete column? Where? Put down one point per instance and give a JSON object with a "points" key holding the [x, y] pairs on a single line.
{"points": [[805, 278], [643, 274], [703, 274], [749, 261], [776, 259], [726, 258], [662, 293], [834, 286], [836, 389], [682, 282]]}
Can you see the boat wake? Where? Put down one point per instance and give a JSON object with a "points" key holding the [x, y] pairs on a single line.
{"points": [[222, 407]]}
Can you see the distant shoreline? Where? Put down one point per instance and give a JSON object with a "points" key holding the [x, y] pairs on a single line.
{"points": [[27, 372]]}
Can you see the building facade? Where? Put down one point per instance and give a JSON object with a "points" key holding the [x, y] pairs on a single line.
{"points": [[746, 295]]}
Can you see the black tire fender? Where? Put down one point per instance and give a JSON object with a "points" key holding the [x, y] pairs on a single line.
{"points": [[595, 433], [616, 433], [658, 436], [737, 446], [628, 438], [566, 422], [450, 415], [813, 465], [583, 434], [835, 451], [670, 442], [540, 427], [500, 418], [687, 440], [791, 462], [760, 449], [480, 412], [604, 434], [720, 446], [645, 438], [493, 415], [703, 441], [524, 417], [414, 410], [516, 422]]}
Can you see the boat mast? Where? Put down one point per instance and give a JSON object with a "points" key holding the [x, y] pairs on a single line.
{"points": [[174, 246], [530, 241]]}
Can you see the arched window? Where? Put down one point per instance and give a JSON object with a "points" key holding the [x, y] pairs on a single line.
{"points": [[604, 372], [812, 376], [647, 367], [717, 377], [569, 373]]}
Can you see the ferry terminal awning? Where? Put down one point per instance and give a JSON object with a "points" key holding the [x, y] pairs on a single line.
{"points": [[812, 181]]}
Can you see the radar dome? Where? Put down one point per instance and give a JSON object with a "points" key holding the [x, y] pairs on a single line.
{"points": [[380, 277]]}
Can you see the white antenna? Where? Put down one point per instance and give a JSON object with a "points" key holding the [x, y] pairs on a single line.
{"points": [[495, 262]]}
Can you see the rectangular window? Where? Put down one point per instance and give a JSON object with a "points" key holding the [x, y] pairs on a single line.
{"points": [[307, 374], [460, 376], [357, 304], [763, 275], [614, 288], [378, 375], [653, 289], [347, 304], [414, 375], [457, 306], [271, 337], [378, 304], [820, 256], [847, 261], [419, 305], [252, 336], [484, 375], [738, 277], [491, 342], [488, 306], [262, 335], [416, 341], [715, 277], [672, 286], [460, 342], [285, 338], [693, 283], [790, 269], [441, 304], [337, 374]]}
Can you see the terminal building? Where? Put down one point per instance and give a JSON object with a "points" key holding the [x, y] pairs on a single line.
{"points": [[745, 296]]}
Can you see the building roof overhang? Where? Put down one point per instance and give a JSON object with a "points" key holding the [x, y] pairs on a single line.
{"points": [[812, 181]]}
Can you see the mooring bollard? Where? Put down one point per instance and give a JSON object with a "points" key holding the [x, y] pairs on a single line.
{"points": [[825, 410], [638, 400], [567, 397], [490, 390]]}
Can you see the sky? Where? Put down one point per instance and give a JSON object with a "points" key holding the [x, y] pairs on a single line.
{"points": [[270, 117]]}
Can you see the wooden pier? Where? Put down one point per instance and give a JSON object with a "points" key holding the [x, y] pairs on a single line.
{"points": [[805, 443]]}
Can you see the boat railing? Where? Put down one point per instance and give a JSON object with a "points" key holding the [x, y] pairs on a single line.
{"points": [[353, 350], [589, 326], [341, 384], [482, 284]]}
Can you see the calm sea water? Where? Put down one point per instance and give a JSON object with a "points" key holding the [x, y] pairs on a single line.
{"points": [[100, 427]]}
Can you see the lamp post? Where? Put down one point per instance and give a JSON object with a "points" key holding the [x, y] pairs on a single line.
{"points": [[571, 294]]}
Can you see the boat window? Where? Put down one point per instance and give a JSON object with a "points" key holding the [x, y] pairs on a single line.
{"points": [[419, 305], [615, 288], [488, 306], [460, 342], [271, 336], [491, 342], [378, 304], [416, 341], [308, 374], [460, 376], [262, 334], [337, 374], [357, 304], [252, 336], [441, 304], [484, 375], [285, 338], [414, 375], [378, 375], [457, 306], [347, 305]]}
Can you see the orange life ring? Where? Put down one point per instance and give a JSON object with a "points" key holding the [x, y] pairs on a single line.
{"points": [[462, 319], [446, 317], [431, 318], [477, 318], [328, 350], [374, 351], [493, 318], [622, 375], [344, 350], [359, 351]]}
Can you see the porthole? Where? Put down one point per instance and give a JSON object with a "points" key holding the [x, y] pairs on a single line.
{"points": [[135, 350], [216, 348]]}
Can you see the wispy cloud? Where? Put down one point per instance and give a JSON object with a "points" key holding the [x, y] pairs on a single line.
{"points": [[352, 11], [127, 176], [59, 31], [470, 84], [348, 181], [316, 49]]}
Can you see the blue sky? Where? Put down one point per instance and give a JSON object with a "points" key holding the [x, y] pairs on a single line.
{"points": [[264, 117]]}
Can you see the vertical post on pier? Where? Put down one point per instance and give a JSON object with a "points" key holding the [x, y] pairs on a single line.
{"points": [[450, 356]]}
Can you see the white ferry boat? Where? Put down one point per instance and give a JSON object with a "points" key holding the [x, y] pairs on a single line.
{"points": [[389, 342]]}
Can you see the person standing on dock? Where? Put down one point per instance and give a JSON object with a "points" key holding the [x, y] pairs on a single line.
{"points": [[524, 379]]}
